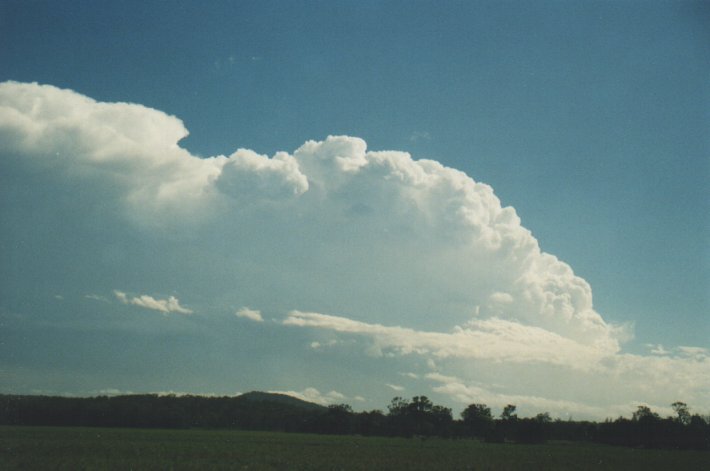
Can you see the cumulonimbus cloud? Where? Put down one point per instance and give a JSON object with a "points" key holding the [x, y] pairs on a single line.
{"points": [[457, 226], [419, 258]]}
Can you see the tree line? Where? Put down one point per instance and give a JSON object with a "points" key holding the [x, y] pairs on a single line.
{"points": [[416, 417]]}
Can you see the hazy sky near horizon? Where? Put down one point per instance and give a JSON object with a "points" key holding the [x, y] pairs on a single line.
{"points": [[499, 202]]}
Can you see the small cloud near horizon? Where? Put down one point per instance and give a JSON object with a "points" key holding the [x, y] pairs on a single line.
{"points": [[166, 306], [251, 314]]}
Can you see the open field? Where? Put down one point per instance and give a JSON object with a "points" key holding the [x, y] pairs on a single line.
{"points": [[139, 449]]}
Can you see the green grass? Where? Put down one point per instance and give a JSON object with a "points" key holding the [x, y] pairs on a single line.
{"points": [[139, 449]]}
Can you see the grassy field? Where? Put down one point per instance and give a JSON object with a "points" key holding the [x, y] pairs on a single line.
{"points": [[133, 449]]}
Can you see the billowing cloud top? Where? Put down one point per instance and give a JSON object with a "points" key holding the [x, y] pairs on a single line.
{"points": [[416, 256], [362, 198]]}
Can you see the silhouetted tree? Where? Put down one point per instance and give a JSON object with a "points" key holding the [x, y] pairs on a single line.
{"points": [[373, 422], [418, 417], [682, 411], [531, 430], [509, 413], [644, 413], [442, 420], [478, 420], [339, 419], [398, 406], [543, 418]]}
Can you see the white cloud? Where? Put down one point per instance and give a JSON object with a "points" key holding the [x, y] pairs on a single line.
{"points": [[315, 396], [395, 387], [74, 134], [135, 149], [148, 302], [246, 173], [250, 314], [526, 404]]}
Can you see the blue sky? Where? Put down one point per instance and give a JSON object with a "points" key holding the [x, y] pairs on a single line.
{"points": [[589, 119]]}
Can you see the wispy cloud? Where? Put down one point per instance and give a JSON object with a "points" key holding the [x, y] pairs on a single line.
{"points": [[699, 353], [494, 338], [165, 306], [420, 136], [317, 345]]}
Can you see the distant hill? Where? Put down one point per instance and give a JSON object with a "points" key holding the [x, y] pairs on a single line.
{"points": [[283, 399], [250, 411]]}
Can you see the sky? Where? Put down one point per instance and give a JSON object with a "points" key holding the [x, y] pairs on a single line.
{"points": [[489, 202]]}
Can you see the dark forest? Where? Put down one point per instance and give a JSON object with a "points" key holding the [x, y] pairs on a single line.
{"points": [[416, 417]]}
